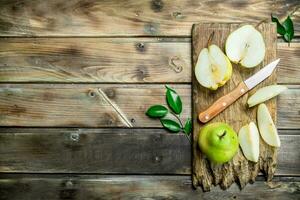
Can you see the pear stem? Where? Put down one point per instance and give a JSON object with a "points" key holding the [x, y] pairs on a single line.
{"points": [[224, 133], [210, 39], [261, 22]]}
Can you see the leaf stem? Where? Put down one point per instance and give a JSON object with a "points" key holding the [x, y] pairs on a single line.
{"points": [[188, 137], [177, 117], [182, 127]]}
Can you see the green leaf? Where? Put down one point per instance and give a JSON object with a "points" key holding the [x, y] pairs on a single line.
{"points": [[173, 100], [170, 125], [280, 28], [289, 29], [157, 111], [188, 127]]}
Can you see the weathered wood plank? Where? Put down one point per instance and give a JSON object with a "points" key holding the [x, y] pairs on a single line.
{"points": [[288, 70], [131, 18], [106, 105], [94, 60], [288, 105], [23, 187], [83, 105], [132, 151], [151, 60], [128, 151]]}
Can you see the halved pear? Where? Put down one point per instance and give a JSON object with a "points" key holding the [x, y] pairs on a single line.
{"points": [[265, 93], [213, 68], [249, 141], [266, 126], [246, 46]]}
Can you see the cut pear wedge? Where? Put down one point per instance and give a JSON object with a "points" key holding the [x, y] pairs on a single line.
{"points": [[213, 68], [264, 94], [266, 126], [249, 141], [246, 46]]}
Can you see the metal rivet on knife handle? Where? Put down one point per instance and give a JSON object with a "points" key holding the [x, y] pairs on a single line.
{"points": [[222, 103]]}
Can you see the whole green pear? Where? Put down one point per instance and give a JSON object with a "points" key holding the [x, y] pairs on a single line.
{"points": [[219, 142]]}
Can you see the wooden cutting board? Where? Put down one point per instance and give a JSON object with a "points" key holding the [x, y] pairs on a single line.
{"points": [[239, 169]]}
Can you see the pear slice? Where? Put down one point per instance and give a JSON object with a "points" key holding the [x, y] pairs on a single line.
{"points": [[213, 68], [249, 141], [266, 126], [246, 46], [265, 93]]}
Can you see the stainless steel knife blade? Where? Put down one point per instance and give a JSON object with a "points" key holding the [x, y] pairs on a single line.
{"points": [[261, 75]]}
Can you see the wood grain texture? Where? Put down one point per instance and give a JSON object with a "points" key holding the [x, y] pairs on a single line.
{"points": [[117, 151], [288, 70], [131, 151], [289, 108], [151, 60], [114, 105], [295, 16], [237, 115], [107, 60], [130, 17], [84, 105], [23, 187]]}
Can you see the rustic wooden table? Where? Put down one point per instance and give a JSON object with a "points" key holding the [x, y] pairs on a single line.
{"points": [[76, 74]]}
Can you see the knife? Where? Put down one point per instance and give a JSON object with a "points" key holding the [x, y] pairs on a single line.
{"points": [[242, 88]]}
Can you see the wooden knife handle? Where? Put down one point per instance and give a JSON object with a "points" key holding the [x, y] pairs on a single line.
{"points": [[223, 102]]}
